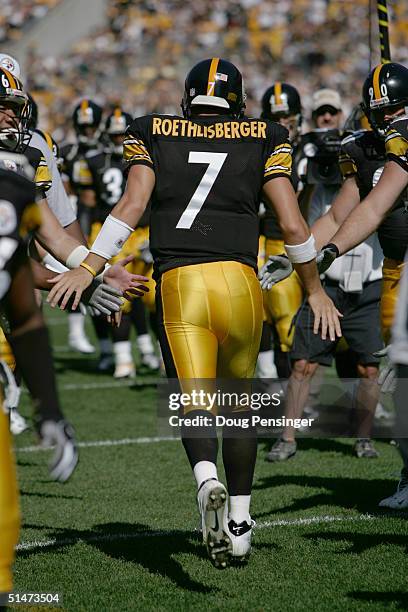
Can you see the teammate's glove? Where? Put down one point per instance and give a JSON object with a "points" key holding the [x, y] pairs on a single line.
{"points": [[387, 376], [276, 269], [145, 254], [106, 299], [59, 434], [326, 256]]}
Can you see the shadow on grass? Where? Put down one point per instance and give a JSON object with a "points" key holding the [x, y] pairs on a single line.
{"points": [[360, 542], [348, 493], [139, 544], [319, 444], [398, 598]]}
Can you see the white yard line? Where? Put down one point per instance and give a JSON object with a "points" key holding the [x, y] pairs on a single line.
{"points": [[313, 520], [109, 384], [98, 443]]}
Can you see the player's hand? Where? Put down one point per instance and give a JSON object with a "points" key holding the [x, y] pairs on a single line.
{"points": [[276, 269], [325, 257], [71, 283], [59, 434], [387, 377], [326, 315], [130, 285], [105, 299]]}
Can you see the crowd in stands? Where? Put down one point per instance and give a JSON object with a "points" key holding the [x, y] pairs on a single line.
{"points": [[141, 57], [15, 15]]}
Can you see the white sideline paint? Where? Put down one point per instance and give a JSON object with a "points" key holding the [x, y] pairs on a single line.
{"points": [[109, 384], [313, 520], [93, 443]]}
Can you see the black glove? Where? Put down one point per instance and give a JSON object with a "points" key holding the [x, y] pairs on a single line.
{"points": [[326, 256]]}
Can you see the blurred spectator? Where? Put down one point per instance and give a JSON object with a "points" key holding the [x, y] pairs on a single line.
{"points": [[15, 15]]}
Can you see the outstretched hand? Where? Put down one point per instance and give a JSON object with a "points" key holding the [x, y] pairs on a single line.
{"points": [[130, 285]]}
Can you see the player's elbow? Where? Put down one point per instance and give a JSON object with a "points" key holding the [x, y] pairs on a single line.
{"points": [[294, 233]]}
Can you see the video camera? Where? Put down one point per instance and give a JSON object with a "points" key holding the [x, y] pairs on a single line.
{"points": [[321, 148]]}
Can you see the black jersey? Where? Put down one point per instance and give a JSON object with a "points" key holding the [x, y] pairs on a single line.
{"points": [[363, 156], [396, 142], [269, 222], [209, 176], [19, 216], [73, 165], [104, 174], [32, 164]]}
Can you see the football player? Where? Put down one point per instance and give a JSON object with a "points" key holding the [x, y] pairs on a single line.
{"points": [[29, 340], [204, 175], [281, 103]]}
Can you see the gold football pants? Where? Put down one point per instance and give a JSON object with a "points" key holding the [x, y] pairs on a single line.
{"points": [[392, 270], [9, 507], [282, 302], [137, 266], [210, 320], [6, 354]]}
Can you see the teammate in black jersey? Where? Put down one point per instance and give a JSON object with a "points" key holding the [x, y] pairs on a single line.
{"points": [[28, 337], [281, 103], [204, 174]]}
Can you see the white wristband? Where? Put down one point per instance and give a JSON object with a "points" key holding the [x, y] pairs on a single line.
{"points": [[301, 253], [53, 264], [111, 238], [77, 256]]}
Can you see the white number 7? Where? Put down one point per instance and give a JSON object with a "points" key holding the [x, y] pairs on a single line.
{"points": [[215, 162]]}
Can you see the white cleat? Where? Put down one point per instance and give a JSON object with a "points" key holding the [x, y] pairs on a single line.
{"points": [[81, 344], [18, 424], [151, 361], [399, 500], [240, 535], [124, 370], [213, 506]]}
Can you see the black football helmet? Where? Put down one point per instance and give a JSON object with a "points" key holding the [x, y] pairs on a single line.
{"points": [[357, 120], [15, 135], [281, 100], [87, 119], [214, 83], [115, 127], [385, 90]]}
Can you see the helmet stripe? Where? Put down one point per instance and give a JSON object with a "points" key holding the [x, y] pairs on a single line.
{"points": [[11, 79], [211, 76], [84, 104], [376, 82], [278, 93]]}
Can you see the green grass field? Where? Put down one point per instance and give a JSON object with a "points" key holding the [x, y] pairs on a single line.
{"points": [[121, 534]]}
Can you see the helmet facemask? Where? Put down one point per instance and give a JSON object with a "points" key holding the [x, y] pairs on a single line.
{"points": [[14, 134]]}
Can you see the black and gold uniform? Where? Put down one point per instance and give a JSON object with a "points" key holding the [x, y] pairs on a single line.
{"points": [[18, 214], [283, 300], [204, 227], [32, 162], [363, 156]]}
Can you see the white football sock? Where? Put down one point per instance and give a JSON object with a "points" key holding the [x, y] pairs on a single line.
{"points": [[265, 367], [239, 508], [122, 352], [144, 344], [76, 324], [204, 470]]}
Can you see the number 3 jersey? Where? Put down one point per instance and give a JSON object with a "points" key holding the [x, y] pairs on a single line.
{"points": [[209, 176], [102, 172]]}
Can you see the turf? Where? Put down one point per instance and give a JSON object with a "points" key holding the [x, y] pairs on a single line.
{"points": [[121, 534]]}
